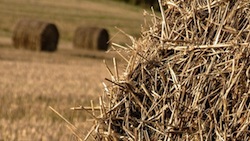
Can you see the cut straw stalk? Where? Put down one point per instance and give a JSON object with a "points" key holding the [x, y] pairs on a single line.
{"points": [[222, 45]]}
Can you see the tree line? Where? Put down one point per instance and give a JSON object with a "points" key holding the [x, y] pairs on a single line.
{"points": [[144, 3]]}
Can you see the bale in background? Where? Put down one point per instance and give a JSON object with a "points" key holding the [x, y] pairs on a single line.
{"points": [[92, 38], [35, 35]]}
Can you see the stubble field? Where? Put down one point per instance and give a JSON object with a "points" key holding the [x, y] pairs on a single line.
{"points": [[32, 81]]}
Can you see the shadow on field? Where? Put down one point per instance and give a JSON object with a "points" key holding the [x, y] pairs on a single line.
{"points": [[92, 56]]}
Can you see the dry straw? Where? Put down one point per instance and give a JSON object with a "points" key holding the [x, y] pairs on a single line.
{"points": [[187, 78], [35, 35], [91, 38]]}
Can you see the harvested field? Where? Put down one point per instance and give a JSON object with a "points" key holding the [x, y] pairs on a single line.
{"points": [[33, 81]]}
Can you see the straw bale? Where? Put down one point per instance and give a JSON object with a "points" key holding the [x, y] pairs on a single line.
{"points": [[187, 77], [91, 38], [35, 35]]}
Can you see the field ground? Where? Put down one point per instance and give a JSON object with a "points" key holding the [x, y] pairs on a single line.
{"points": [[32, 81]]}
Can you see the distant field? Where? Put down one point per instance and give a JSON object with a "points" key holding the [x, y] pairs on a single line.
{"points": [[32, 81], [67, 15]]}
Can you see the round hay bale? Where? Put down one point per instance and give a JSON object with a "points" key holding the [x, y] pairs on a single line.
{"points": [[91, 38], [35, 35]]}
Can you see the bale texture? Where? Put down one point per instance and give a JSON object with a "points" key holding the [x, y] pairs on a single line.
{"points": [[91, 38], [35, 35], [187, 77]]}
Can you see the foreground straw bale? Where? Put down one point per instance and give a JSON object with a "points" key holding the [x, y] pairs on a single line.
{"points": [[187, 78], [35, 35]]}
